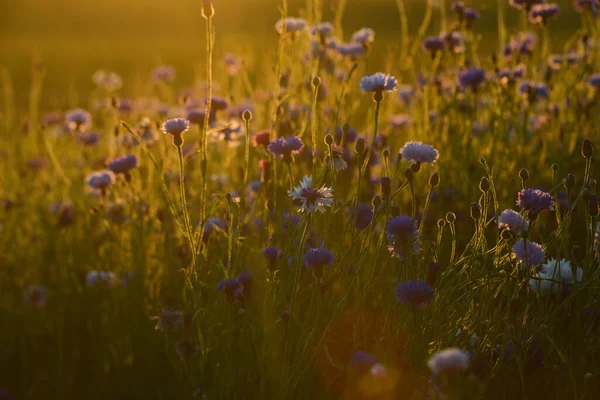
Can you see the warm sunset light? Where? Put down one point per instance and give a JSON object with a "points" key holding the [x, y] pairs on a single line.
{"points": [[299, 199]]}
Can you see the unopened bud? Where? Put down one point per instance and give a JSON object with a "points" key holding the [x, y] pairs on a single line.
{"points": [[416, 167], [328, 140], [360, 146], [484, 185], [316, 81], [524, 174], [593, 205], [586, 194], [475, 211], [587, 149], [208, 11], [385, 186], [569, 182], [555, 167], [408, 174], [376, 202], [434, 180], [450, 217], [247, 115], [385, 153]]}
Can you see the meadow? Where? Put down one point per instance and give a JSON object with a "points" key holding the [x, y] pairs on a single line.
{"points": [[342, 199]]}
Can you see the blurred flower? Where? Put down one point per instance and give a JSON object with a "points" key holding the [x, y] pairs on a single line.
{"points": [[363, 361], [262, 138], [535, 200], [100, 180], [529, 253], [541, 13], [272, 255], [526, 4], [378, 82], [164, 74], [78, 119], [233, 65], [403, 236], [433, 44], [350, 49], [285, 147], [472, 78], [419, 152], [107, 80], [291, 25], [448, 361], [36, 296], [594, 82], [415, 293], [587, 5], [228, 287], [364, 36], [555, 276], [107, 279], [311, 199], [325, 29], [337, 157], [401, 121], [124, 164], [512, 220], [169, 320], [364, 215]]}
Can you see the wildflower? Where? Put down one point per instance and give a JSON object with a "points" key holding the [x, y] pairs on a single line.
{"points": [[471, 15], [164, 74], [169, 320], [197, 116], [124, 164], [229, 133], [106, 80], [325, 29], [291, 25], [364, 215], [36, 296], [455, 41], [218, 103], [403, 236], [261, 138], [350, 49], [337, 157], [521, 44], [543, 12], [513, 221], [364, 36], [401, 121], [176, 127], [311, 199], [245, 281], [228, 287], [363, 361], [93, 278], [533, 91], [419, 152], [535, 200], [316, 259], [433, 44], [472, 78], [233, 65], [555, 276], [78, 119], [272, 254], [448, 361], [526, 4], [285, 147], [590, 5], [415, 293], [594, 82], [100, 180], [378, 83], [529, 253]]}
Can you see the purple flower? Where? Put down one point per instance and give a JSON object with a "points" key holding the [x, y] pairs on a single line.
{"points": [[122, 165], [470, 15], [176, 126], [513, 221], [419, 152], [535, 200], [363, 361], [449, 360], [594, 81], [378, 82], [218, 103], [472, 77], [526, 4], [364, 36], [291, 25], [543, 12], [228, 287], [285, 147], [433, 44], [245, 280], [364, 215], [169, 320], [403, 236], [100, 180], [350, 49], [529, 253], [164, 73], [197, 116], [272, 254], [318, 258], [78, 119], [587, 5], [521, 44], [533, 91], [415, 293], [36, 296]]}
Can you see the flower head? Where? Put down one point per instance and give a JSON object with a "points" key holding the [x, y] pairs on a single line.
{"points": [[555, 276], [419, 152], [107, 80], [325, 29], [337, 158], [513, 221], [176, 126], [529, 253], [448, 361], [535, 200], [526, 4], [122, 165], [433, 44], [594, 82], [78, 119], [169, 320], [350, 49], [291, 25], [311, 199], [378, 82], [364, 36], [100, 180], [543, 12], [285, 147], [403, 236], [415, 293], [472, 78], [164, 73]]}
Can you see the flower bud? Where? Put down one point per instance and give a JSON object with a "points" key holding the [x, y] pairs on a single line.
{"points": [[484, 185], [450, 217], [408, 174], [416, 167], [376, 202], [524, 175], [569, 182], [378, 96], [555, 167], [593, 206], [360, 146], [577, 253], [328, 139], [385, 153], [587, 149], [208, 11], [475, 211], [441, 223], [316, 82], [434, 180], [270, 205], [247, 115], [586, 194]]}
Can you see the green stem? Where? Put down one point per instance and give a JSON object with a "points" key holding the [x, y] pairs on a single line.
{"points": [[186, 217]]}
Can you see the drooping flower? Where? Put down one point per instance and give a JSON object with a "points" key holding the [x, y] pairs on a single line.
{"points": [[513, 221], [530, 254], [535, 200], [448, 361], [555, 276], [418, 152], [311, 199], [403, 237], [415, 293], [378, 83]]}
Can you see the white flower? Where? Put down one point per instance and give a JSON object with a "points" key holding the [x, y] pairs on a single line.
{"points": [[448, 360], [311, 199], [553, 275], [419, 152], [378, 82]]}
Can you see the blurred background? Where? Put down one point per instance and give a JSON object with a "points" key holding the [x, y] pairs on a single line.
{"points": [[74, 38]]}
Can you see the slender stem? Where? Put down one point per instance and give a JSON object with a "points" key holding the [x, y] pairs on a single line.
{"points": [[313, 125], [247, 155], [427, 201], [186, 217], [370, 149]]}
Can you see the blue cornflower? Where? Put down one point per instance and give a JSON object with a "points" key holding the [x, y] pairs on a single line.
{"points": [[415, 293], [403, 236], [316, 259]]}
